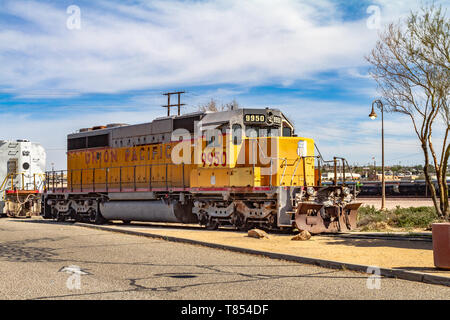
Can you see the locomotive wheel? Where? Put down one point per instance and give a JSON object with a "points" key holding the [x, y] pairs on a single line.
{"points": [[78, 218], [248, 226], [245, 227], [73, 215], [60, 217], [212, 225], [47, 211], [95, 217], [238, 221]]}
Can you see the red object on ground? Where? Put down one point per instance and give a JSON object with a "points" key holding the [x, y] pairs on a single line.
{"points": [[441, 245]]}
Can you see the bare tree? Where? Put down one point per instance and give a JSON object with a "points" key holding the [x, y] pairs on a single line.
{"points": [[212, 105], [233, 105], [410, 64]]}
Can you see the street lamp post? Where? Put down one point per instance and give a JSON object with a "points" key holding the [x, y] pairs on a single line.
{"points": [[373, 116]]}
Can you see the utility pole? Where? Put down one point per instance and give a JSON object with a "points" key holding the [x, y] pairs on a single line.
{"points": [[179, 104], [374, 168]]}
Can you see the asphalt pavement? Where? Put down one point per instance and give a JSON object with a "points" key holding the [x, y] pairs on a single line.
{"points": [[48, 260]]}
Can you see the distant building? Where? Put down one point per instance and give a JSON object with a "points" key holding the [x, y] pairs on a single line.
{"points": [[388, 177], [329, 176]]}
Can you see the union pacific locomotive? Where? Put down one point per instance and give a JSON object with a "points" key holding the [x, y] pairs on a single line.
{"points": [[242, 168]]}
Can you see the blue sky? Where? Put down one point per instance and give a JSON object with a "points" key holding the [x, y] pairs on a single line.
{"points": [[304, 57]]}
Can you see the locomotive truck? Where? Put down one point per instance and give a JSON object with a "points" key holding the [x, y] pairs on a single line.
{"points": [[243, 168]]}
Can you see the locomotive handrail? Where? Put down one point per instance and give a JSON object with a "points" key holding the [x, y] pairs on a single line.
{"points": [[4, 182], [12, 176], [343, 180], [56, 179], [284, 170], [284, 164], [304, 168]]}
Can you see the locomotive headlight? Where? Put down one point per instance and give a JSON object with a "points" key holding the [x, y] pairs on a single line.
{"points": [[346, 191], [310, 191]]}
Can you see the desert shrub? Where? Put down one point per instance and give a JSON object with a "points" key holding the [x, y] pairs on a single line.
{"points": [[369, 218], [419, 217]]}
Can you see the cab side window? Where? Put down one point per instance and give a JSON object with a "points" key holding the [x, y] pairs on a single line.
{"points": [[287, 131], [212, 141], [212, 138], [237, 134]]}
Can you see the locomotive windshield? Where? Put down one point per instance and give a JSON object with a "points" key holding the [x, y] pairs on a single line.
{"points": [[257, 132]]}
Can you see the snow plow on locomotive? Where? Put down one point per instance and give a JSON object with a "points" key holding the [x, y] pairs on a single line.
{"points": [[243, 168]]}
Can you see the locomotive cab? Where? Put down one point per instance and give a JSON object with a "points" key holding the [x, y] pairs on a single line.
{"points": [[259, 144]]}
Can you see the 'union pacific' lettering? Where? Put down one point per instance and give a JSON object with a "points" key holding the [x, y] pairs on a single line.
{"points": [[107, 156], [134, 157], [131, 154]]}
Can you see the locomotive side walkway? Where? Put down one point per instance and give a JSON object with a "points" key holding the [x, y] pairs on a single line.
{"points": [[403, 259]]}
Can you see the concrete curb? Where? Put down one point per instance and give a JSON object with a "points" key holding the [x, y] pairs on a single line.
{"points": [[385, 272]]}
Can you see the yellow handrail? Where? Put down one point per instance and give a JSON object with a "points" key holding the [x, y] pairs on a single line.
{"points": [[4, 181], [11, 177]]}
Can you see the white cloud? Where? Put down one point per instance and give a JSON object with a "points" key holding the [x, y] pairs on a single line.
{"points": [[169, 43]]}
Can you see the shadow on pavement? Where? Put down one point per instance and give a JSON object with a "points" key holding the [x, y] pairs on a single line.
{"points": [[414, 245], [426, 270]]}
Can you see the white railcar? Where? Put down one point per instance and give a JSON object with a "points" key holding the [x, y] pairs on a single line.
{"points": [[22, 169]]}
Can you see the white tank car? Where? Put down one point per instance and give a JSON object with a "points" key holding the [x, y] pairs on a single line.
{"points": [[22, 170]]}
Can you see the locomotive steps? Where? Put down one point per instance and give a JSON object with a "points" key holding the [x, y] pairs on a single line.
{"points": [[402, 259]]}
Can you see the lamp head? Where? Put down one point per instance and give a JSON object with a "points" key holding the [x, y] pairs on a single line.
{"points": [[373, 114]]}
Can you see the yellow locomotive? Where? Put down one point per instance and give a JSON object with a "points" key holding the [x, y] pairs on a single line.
{"points": [[243, 168]]}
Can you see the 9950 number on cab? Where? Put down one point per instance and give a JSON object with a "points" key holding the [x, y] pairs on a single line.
{"points": [[255, 118]]}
